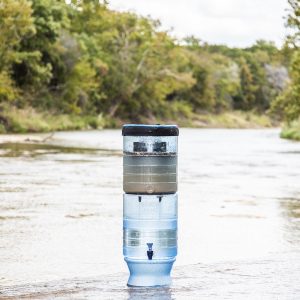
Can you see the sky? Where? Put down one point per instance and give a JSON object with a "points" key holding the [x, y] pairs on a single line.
{"points": [[236, 23]]}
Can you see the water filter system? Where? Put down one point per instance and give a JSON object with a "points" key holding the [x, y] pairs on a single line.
{"points": [[150, 202]]}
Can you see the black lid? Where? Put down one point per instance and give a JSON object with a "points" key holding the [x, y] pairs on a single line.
{"points": [[150, 130]]}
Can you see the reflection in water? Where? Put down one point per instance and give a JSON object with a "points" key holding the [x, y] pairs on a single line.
{"points": [[239, 212], [292, 208], [291, 213], [33, 150], [159, 293], [255, 279]]}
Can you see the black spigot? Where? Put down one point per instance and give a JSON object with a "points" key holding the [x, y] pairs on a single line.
{"points": [[150, 251]]}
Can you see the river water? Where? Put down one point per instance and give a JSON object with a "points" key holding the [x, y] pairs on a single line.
{"points": [[239, 217]]}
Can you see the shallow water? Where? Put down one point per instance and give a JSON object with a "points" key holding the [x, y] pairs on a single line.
{"points": [[239, 218]]}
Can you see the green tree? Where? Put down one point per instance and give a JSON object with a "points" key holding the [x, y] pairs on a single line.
{"points": [[201, 96], [143, 63], [288, 103], [293, 21], [34, 71], [80, 57], [16, 24], [246, 98]]}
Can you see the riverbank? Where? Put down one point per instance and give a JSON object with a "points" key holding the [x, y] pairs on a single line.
{"points": [[13, 120], [291, 131], [230, 119], [28, 120]]}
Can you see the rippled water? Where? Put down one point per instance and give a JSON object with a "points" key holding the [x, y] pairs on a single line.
{"points": [[239, 218]]}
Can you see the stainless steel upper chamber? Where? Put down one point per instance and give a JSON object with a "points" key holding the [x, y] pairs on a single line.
{"points": [[150, 159]]}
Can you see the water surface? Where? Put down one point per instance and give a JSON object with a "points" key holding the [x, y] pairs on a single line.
{"points": [[239, 217]]}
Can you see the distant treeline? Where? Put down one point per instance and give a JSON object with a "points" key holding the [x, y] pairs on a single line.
{"points": [[82, 58]]}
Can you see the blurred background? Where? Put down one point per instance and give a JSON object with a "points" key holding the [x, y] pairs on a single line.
{"points": [[93, 64], [72, 72]]}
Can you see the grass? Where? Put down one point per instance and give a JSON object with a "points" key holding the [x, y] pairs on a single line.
{"points": [[291, 131], [234, 119], [14, 120], [230, 119]]}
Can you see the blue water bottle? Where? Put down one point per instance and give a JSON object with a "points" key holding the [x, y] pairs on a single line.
{"points": [[150, 202]]}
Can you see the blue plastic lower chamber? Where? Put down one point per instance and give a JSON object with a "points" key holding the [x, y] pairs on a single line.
{"points": [[149, 238]]}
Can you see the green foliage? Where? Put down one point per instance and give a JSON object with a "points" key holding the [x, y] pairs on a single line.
{"points": [[293, 21], [291, 131], [16, 24], [247, 92], [287, 103], [33, 70], [8, 91], [84, 60], [31, 120]]}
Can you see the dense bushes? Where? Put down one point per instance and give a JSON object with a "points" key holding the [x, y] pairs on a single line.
{"points": [[83, 59], [287, 104]]}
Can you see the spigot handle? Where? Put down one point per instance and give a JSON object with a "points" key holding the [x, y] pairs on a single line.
{"points": [[150, 251], [149, 246]]}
